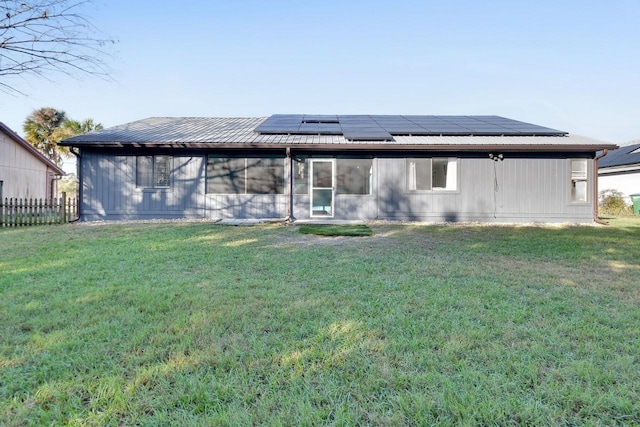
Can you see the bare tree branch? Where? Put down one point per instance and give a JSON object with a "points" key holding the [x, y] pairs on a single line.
{"points": [[40, 37]]}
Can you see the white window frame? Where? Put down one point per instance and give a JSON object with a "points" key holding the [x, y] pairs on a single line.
{"points": [[451, 180], [156, 175], [578, 177]]}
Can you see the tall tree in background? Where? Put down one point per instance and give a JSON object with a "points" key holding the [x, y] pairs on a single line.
{"points": [[38, 37], [46, 127], [74, 127], [41, 131]]}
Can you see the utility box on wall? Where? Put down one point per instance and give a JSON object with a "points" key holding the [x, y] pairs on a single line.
{"points": [[635, 199]]}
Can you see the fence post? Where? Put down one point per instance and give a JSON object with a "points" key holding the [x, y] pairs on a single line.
{"points": [[14, 212], [20, 215]]}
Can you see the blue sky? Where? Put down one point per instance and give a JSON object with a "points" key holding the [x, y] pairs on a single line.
{"points": [[570, 65]]}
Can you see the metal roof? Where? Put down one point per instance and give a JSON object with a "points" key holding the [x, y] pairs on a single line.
{"points": [[627, 155], [213, 132]]}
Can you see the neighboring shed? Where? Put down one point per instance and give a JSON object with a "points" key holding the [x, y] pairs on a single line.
{"points": [[426, 168], [24, 171], [620, 170]]}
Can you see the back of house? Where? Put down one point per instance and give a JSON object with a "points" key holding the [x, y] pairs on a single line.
{"points": [[306, 167]]}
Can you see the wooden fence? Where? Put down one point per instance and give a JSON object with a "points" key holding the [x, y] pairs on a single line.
{"points": [[24, 212]]}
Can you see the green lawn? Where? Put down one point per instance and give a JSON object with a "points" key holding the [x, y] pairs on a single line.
{"points": [[201, 324]]}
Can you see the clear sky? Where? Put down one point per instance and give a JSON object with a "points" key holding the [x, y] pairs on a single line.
{"points": [[569, 65]]}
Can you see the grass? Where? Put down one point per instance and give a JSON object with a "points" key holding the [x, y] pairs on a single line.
{"points": [[349, 230], [198, 324]]}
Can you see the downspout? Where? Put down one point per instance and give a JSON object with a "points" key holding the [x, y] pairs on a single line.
{"points": [[595, 188], [289, 217], [79, 175]]}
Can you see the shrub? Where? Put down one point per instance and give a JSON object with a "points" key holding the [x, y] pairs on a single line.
{"points": [[611, 202]]}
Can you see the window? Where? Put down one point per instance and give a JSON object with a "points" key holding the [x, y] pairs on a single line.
{"points": [[437, 174], [265, 176], [301, 175], [579, 181], [228, 175], [153, 171], [225, 175], [354, 176]]}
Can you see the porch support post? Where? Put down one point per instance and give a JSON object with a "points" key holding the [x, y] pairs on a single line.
{"points": [[289, 186]]}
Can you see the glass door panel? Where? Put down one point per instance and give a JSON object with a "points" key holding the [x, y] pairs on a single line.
{"points": [[322, 189]]}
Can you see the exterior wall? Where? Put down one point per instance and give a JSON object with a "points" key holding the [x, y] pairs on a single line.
{"points": [[625, 182], [512, 190], [256, 206], [109, 192], [517, 189], [109, 189], [23, 175], [347, 207]]}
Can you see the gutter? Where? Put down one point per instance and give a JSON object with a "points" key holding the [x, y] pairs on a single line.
{"points": [[364, 146], [595, 187]]}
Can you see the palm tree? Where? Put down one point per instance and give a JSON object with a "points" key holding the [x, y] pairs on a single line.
{"points": [[74, 127], [40, 130], [46, 127]]}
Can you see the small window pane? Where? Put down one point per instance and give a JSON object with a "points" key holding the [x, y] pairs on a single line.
{"points": [[579, 169], [439, 173], [163, 171], [418, 174], [354, 176], [301, 175], [445, 174], [322, 174], [452, 174], [144, 171], [225, 175], [579, 191], [265, 176]]}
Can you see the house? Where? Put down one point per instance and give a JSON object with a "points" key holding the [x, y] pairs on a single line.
{"points": [[620, 170], [305, 167], [24, 171]]}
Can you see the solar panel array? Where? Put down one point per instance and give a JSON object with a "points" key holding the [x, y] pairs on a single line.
{"points": [[382, 127]]}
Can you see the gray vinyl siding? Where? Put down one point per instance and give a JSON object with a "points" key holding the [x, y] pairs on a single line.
{"points": [[528, 190], [109, 189], [254, 206]]}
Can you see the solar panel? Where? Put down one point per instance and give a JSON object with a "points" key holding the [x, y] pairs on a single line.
{"points": [[320, 128], [367, 134], [319, 119], [382, 127]]}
